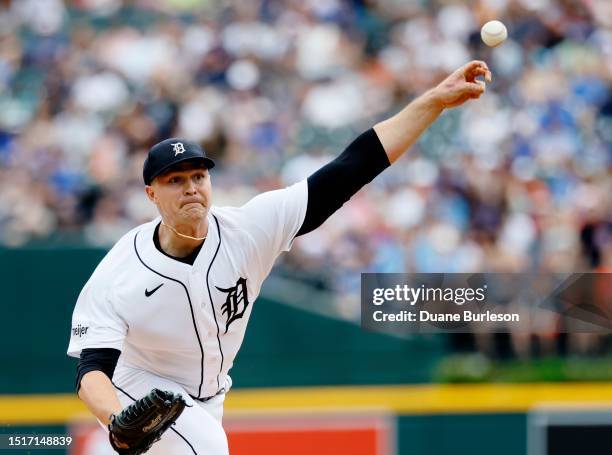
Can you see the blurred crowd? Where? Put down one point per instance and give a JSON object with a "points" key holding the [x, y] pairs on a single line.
{"points": [[517, 181]]}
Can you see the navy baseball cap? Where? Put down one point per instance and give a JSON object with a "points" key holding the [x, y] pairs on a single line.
{"points": [[166, 154]]}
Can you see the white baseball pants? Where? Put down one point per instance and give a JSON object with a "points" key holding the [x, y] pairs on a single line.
{"points": [[197, 431]]}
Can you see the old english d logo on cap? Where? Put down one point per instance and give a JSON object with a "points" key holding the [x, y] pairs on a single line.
{"points": [[178, 148], [169, 152]]}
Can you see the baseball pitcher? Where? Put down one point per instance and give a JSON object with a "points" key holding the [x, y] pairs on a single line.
{"points": [[159, 323]]}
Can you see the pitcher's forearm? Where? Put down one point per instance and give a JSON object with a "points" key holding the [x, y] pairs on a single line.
{"points": [[99, 395], [398, 133]]}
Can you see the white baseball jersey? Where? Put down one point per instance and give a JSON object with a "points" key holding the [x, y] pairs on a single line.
{"points": [[186, 322]]}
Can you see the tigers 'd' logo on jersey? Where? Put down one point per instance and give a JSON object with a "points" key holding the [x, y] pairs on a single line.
{"points": [[236, 302]]}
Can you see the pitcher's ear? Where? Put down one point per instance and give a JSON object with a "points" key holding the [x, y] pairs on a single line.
{"points": [[150, 193]]}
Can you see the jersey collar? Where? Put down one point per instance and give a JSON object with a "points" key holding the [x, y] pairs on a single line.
{"points": [[165, 265]]}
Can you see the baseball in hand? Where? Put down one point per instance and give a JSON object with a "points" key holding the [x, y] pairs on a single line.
{"points": [[493, 33]]}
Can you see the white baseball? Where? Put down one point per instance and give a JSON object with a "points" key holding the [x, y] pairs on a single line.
{"points": [[493, 33]]}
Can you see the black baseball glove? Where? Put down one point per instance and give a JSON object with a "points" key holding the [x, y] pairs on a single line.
{"points": [[143, 422]]}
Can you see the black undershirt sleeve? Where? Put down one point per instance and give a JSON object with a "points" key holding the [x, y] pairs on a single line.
{"points": [[334, 184], [97, 359]]}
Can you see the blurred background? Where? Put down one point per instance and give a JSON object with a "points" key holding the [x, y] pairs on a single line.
{"points": [[519, 181]]}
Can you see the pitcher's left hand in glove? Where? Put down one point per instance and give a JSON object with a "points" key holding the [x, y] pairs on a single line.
{"points": [[143, 422]]}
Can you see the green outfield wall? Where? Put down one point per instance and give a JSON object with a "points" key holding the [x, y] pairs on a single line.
{"points": [[284, 346]]}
